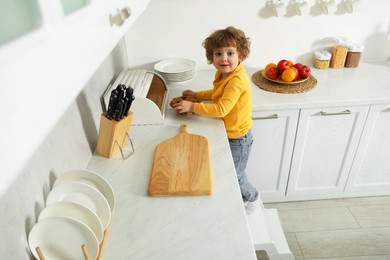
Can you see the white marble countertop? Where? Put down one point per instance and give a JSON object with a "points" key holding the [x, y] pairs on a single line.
{"points": [[367, 84], [196, 227], [210, 227]]}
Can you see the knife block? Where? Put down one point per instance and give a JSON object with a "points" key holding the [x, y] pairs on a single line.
{"points": [[113, 135]]}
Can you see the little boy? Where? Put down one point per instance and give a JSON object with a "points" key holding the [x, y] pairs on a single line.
{"points": [[231, 100]]}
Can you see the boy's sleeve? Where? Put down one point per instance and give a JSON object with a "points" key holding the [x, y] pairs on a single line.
{"points": [[225, 104], [205, 94]]}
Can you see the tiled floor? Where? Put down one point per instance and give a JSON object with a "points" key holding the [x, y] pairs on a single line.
{"points": [[345, 229]]}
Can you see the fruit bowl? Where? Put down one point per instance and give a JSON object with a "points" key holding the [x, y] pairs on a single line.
{"points": [[278, 80]]}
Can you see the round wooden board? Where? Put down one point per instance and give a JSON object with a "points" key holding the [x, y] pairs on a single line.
{"points": [[270, 86]]}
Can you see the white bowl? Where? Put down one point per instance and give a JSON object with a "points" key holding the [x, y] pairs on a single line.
{"points": [[62, 238], [90, 178], [83, 194], [74, 211]]}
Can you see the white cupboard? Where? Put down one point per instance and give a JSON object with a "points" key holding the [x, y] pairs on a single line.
{"points": [[370, 173], [18, 18], [269, 162], [326, 142], [47, 66]]}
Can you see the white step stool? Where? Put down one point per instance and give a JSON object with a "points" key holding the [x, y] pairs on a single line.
{"points": [[268, 235]]}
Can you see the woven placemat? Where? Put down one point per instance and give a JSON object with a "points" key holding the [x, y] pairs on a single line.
{"points": [[267, 85]]}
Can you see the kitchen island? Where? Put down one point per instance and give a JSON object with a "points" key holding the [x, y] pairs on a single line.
{"points": [[186, 227]]}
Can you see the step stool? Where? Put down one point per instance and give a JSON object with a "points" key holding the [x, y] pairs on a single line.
{"points": [[267, 234]]}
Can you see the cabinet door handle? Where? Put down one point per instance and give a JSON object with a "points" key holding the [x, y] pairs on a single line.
{"points": [[126, 12], [116, 19], [120, 17], [274, 116], [345, 112]]}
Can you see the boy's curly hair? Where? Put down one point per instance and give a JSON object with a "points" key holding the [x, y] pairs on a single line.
{"points": [[225, 38]]}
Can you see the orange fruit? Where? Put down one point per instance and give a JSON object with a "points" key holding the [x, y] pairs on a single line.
{"points": [[289, 75], [296, 72], [270, 65], [291, 62]]}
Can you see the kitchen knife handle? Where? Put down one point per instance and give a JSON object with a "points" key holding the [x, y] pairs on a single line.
{"points": [[129, 91], [111, 106], [119, 109], [129, 102], [124, 106], [121, 88]]}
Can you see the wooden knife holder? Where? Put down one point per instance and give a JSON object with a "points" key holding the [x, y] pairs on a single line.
{"points": [[113, 136]]}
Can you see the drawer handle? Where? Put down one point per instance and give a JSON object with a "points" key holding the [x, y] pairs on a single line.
{"points": [[274, 116], [345, 112]]}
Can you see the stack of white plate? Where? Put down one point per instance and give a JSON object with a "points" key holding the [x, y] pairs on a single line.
{"points": [[78, 211], [176, 70]]}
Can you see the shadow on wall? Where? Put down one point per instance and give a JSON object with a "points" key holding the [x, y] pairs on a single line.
{"points": [[377, 41], [388, 44], [32, 219], [88, 123]]}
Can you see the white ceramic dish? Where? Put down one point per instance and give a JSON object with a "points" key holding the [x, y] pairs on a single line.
{"points": [[89, 178], [175, 65], [83, 194], [62, 238], [74, 211]]}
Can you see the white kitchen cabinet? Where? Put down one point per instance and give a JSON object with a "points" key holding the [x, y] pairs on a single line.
{"points": [[370, 173], [71, 6], [325, 145], [47, 68], [270, 158], [18, 18]]}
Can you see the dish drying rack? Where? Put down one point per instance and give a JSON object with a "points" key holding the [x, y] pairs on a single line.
{"points": [[150, 92], [83, 248]]}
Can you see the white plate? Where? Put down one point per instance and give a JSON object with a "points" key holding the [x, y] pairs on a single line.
{"points": [[83, 194], [90, 178], [62, 238], [169, 78], [175, 65], [77, 212]]}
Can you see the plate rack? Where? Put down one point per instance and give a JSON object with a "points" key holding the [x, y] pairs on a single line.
{"points": [[83, 248]]}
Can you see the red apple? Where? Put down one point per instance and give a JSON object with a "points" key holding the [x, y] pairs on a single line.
{"points": [[273, 73], [296, 72], [298, 65], [304, 71], [283, 65]]}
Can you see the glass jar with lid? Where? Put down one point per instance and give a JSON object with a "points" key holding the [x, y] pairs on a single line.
{"points": [[339, 52], [353, 56], [322, 59]]}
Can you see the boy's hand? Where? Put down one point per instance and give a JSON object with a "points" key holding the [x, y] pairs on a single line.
{"points": [[188, 93], [184, 107]]}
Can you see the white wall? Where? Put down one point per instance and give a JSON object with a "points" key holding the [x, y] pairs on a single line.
{"points": [[176, 29], [69, 145]]}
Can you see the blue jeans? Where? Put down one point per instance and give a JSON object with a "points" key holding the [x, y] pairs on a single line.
{"points": [[241, 148]]}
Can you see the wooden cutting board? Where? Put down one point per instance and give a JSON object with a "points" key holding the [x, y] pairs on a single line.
{"points": [[181, 166]]}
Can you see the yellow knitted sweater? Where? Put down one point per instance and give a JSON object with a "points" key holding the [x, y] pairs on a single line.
{"points": [[231, 99]]}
